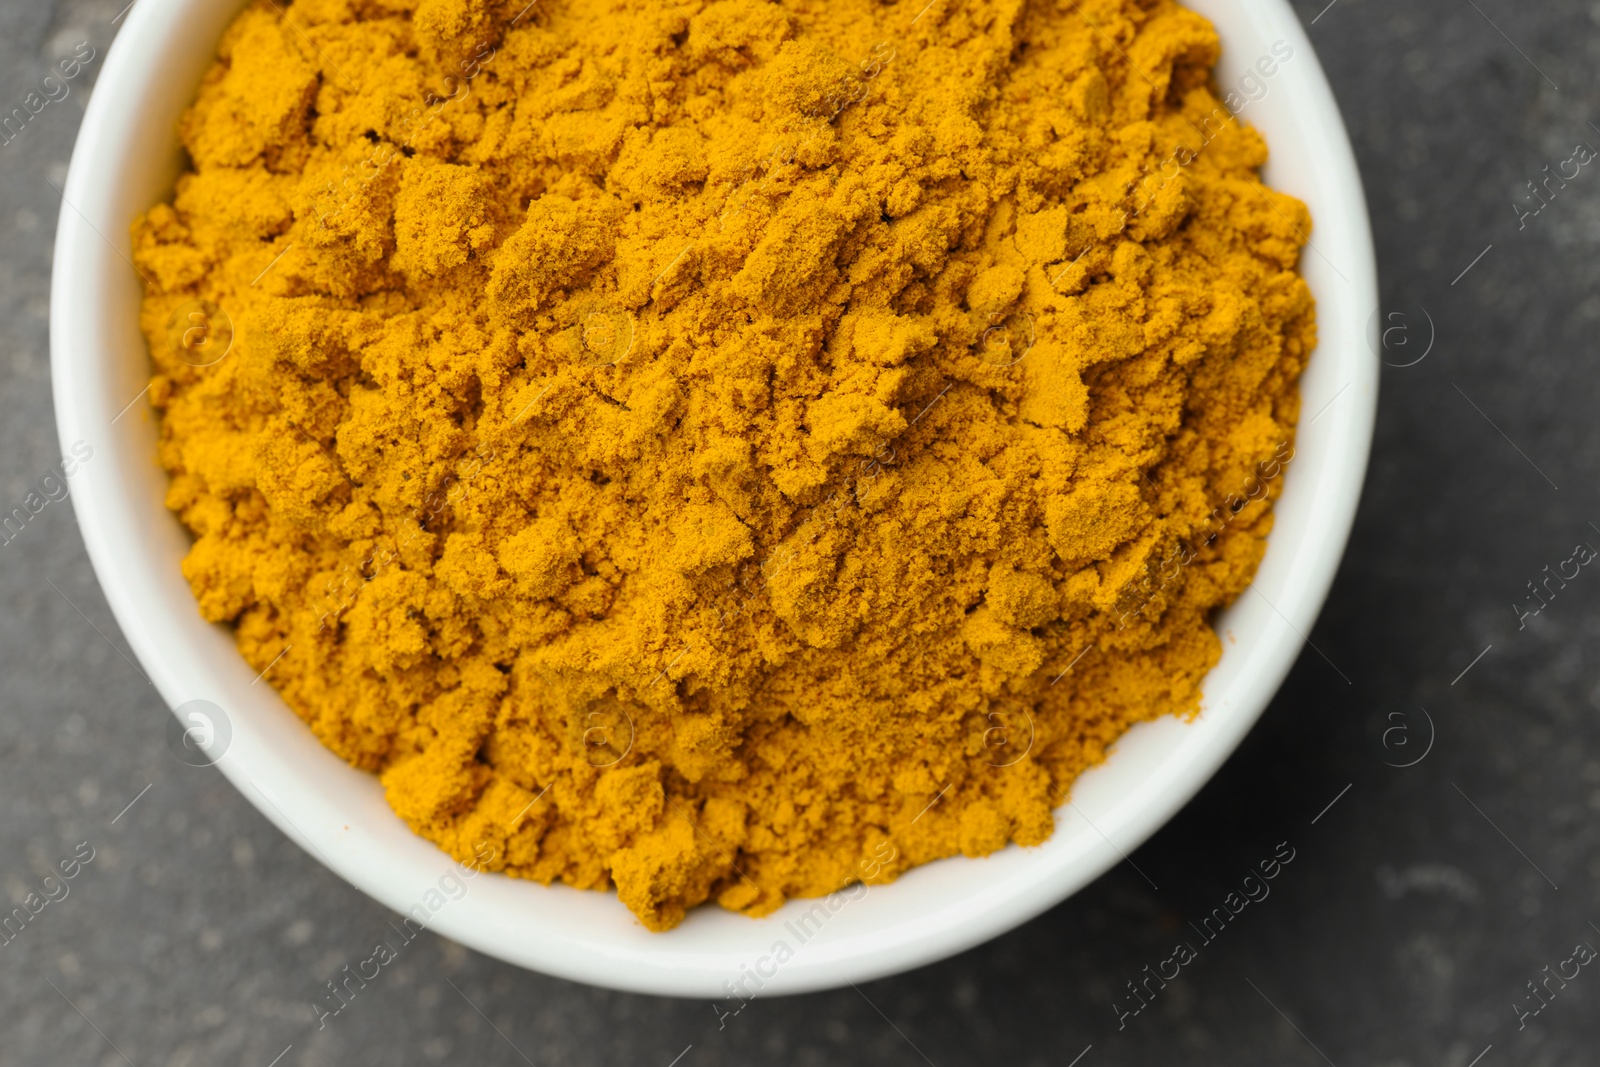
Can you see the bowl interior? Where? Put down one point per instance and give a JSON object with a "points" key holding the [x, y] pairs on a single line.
{"points": [[126, 160]]}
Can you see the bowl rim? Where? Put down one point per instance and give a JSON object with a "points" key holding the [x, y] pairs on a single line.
{"points": [[939, 910]]}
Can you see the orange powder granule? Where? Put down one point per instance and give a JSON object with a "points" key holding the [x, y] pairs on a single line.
{"points": [[705, 449]]}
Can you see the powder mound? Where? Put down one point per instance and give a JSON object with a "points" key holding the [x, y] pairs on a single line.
{"points": [[730, 450]]}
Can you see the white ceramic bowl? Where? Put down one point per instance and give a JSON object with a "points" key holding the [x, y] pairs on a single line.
{"points": [[126, 160]]}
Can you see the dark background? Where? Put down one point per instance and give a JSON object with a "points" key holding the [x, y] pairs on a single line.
{"points": [[1405, 929]]}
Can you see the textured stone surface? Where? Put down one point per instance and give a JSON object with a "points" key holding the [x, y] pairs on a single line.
{"points": [[1404, 929]]}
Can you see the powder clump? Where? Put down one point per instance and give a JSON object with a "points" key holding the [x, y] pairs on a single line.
{"points": [[725, 450]]}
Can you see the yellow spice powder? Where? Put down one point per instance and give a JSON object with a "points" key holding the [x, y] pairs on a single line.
{"points": [[707, 448]]}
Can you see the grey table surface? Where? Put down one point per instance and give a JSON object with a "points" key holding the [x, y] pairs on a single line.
{"points": [[1418, 906]]}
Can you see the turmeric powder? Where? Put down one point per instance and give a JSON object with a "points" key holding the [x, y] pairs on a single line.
{"points": [[695, 447]]}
